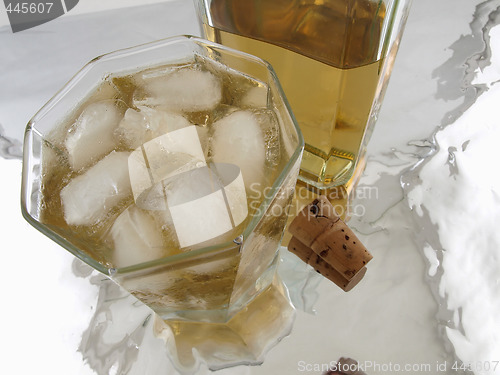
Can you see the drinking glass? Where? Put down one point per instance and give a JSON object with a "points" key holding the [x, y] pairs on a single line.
{"points": [[189, 170]]}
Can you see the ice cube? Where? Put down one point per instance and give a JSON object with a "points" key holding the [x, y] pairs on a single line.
{"points": [[164, 221], [204, 205], [133, 128], [161, 122], [92, 135], [88, 198], [158, 72], [136, 238], [255, 97], [163, 157], [138, 127], [195, 200], [185, 90], [238, 139], [230, 178]]}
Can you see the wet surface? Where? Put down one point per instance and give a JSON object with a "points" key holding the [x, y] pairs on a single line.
{"points": [[463, 266], [426, 207], [9, 148]]}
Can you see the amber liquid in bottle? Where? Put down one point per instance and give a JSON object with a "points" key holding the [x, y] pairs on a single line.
{"points": [[325, 53]]}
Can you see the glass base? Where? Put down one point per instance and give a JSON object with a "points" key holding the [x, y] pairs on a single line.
{"points": [[243, 340]]}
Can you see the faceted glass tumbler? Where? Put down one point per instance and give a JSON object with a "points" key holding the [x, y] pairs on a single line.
{"points": [[188, 170]]}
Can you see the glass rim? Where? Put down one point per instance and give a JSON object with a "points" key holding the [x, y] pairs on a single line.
{"points": [[172, 259]]}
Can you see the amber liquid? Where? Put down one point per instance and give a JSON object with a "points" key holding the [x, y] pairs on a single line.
{"points": [[325, 53]]}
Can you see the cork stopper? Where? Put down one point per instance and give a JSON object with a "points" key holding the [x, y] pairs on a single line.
{"points": [[322, 240]]}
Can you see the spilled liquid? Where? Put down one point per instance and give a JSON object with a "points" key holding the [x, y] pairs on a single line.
{"points": [[455, 198], [9, 148]]}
